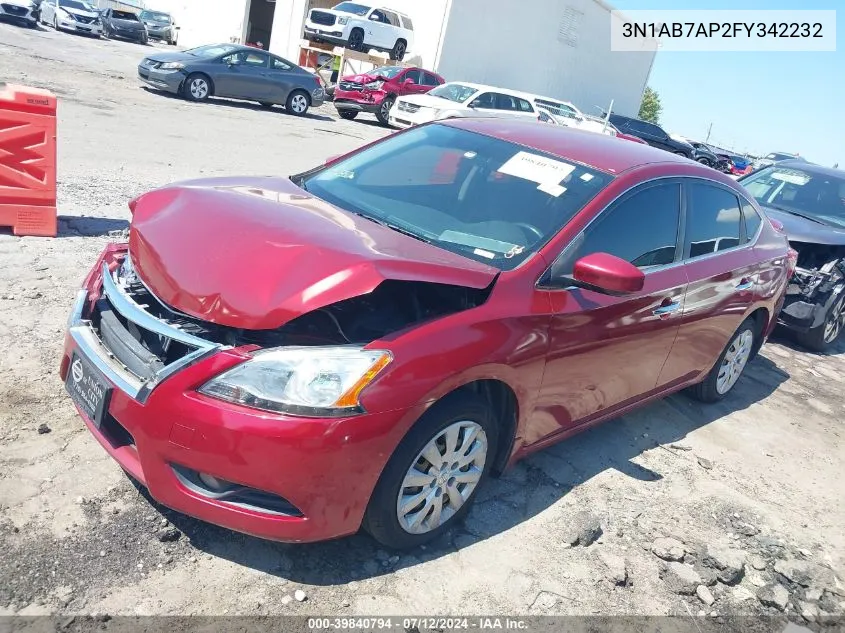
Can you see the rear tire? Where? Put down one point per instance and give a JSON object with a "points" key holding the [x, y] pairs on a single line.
{"points": [[347, 114], [197, 87], [821, 338], [473, 434], [382, 114], [732, 361], [297, 103], [399, 50]]}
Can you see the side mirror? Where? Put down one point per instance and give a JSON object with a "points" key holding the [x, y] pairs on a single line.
{"points": [[408, 81], [608, 274], [374, 18]]}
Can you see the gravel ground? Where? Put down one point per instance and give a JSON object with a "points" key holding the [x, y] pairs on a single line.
{"points": [[735, 508]]}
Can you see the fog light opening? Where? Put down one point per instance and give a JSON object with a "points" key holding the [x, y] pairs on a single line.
{"points": [[213, 482]]}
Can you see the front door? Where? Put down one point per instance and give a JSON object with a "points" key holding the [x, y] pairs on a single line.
{"points": [[606, 351], [415, 75], [722, 271], [247, 78]]}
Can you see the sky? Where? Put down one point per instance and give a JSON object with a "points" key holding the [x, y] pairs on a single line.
{"points": [[758, 102]]}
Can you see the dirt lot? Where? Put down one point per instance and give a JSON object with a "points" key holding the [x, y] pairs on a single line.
{"points": [[748, 493]]}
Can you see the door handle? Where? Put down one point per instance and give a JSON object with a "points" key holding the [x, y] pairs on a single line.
{"points": [[665, 311], [745, 284]]}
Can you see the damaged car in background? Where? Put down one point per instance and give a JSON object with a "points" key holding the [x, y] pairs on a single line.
{"points": [[363, 344], [809, 202]]}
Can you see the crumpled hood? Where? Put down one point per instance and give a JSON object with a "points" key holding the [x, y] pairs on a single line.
{"points": [[255, 253], [800, 229], [363, 78]]}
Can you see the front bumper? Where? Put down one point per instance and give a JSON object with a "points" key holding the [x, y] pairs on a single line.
{"points": [[324, 469], [402, 118], [169, 81], [337, 34], [358, 100], [78, 27], [159, 33], [17, 13], [135, 36]]}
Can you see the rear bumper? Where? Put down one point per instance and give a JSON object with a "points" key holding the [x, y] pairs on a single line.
{"points": [[324, 469]]}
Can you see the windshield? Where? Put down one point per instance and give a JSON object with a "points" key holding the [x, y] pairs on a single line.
{"points": [[388, 72], [819, 196], [211, 50], [352, 7], [124, 15], [487, 199], [76, 4], [453, 92], [155, 16]]}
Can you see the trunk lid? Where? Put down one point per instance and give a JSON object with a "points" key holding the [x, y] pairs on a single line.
{"points": [[255, 253]]}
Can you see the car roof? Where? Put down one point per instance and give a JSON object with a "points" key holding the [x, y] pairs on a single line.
{"points": [[600, 151], [811, 168]]}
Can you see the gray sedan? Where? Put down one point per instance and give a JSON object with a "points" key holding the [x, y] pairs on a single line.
{"points": [[235, 72]]}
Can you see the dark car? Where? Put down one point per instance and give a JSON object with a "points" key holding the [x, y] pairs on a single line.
{"points": [[809, 201], [376, 90], [652, 134], [235, 72], [160, 26], [365, 343], [706, 156], [123, 24]]}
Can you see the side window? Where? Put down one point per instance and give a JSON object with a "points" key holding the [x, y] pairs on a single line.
{"points": [[485, 100], [255, 59], [392, 18], [414, 75], [752, 220], [280, 64], [506, 102], [378, 16], [524, 106], [430, 80], [407, 23], [713, 220], [641, 229]]}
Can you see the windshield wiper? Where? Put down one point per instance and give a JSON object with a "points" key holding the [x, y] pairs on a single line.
{"points": [[797, 214], [395, 227]]}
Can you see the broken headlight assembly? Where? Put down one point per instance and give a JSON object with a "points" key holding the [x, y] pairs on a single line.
{"points": [[305, 381]]}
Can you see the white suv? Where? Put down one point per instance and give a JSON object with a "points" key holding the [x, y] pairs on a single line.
{"points": [[361, 27]]}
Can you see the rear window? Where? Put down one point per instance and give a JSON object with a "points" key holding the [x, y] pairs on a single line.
{"points": [[481, 197]]}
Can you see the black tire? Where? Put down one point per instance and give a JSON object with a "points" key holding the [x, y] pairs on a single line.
{"points": [[292, 105], [266, 104], [384, 109], [192, 94], [707, 390], [399, 50], [356, 40], [705, 162], [347, 114], [819, 339], [380, 519]]}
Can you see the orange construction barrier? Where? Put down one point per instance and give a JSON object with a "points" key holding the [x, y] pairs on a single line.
{"points": [[28, 160]]}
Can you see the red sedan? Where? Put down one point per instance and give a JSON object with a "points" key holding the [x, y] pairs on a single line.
{"points": [[365, 343]]}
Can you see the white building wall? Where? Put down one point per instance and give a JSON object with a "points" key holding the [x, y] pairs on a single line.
{"points": [[557, 48], [204, 21]]}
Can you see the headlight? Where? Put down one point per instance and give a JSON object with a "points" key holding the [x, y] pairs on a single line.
{"points": [[65, 14], [172, 66], [343, 21], [374, 85], [307, 381]]}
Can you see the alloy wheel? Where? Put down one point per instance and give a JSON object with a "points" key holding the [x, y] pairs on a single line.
{"points": [[835, 321], [734, 361], [442, 477], [199, 88], [299, 103]]}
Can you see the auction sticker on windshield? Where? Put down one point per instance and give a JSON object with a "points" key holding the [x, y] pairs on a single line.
{"points": [[546, 172]]}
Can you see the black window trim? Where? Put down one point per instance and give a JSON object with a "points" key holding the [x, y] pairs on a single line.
{"points": [[542, 282]]}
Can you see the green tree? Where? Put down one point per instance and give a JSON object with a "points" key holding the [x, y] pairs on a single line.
{"points": [[650, 107]]}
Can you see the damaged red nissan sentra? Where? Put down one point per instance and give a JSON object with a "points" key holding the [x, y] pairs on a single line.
{"points": [[364, 343]]}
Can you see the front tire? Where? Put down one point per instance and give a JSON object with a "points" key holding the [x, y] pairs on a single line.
{"points": [[297, 103], [382, 114], [197, 87], [732, 361], [432, 477], [705, 162], [823, 337]]}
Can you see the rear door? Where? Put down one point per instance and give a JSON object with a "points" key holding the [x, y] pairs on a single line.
{"points": [[282, 78], [248, 79], [606, 352], [722, 269]]}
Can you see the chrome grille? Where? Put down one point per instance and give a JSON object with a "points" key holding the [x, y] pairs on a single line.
{"points": [[404, 106]]}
